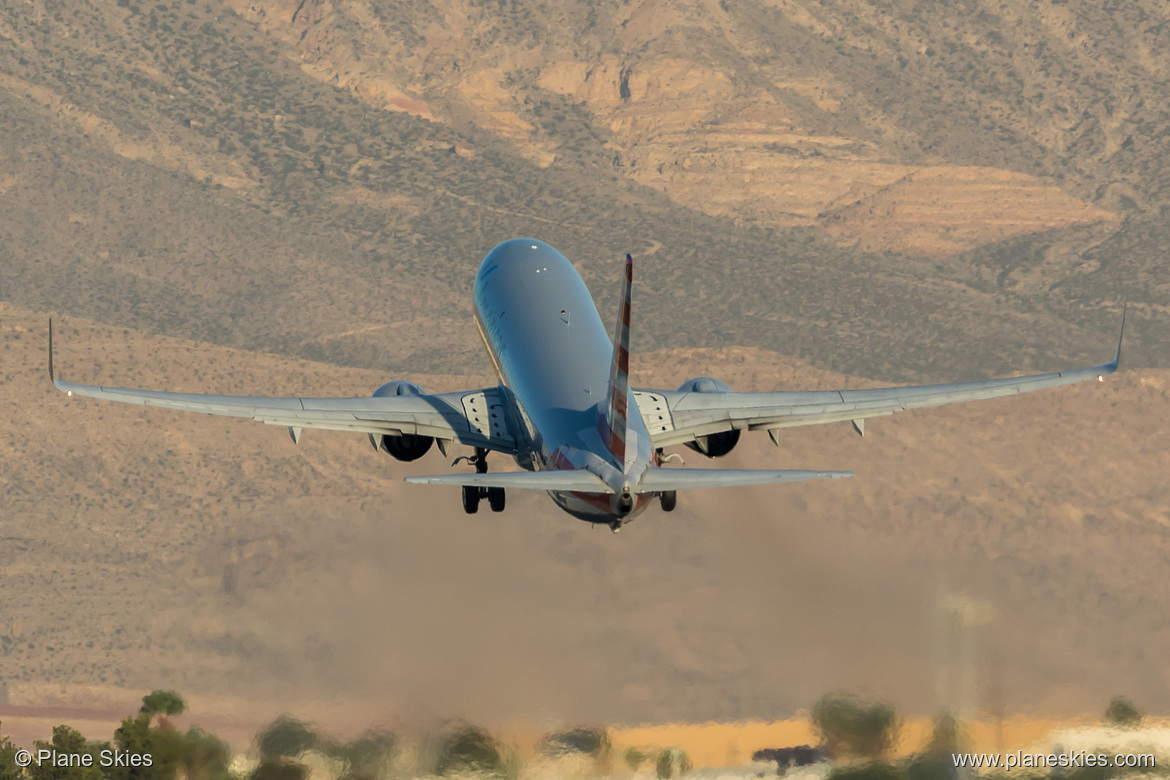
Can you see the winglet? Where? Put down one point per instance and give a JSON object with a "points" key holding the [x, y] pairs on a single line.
{"points": [[614, 423], [1121, 335], [52, 377]]}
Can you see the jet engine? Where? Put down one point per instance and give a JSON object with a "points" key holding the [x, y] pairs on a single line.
{"points": [[406, 447], [715, 445], [399, 388]]}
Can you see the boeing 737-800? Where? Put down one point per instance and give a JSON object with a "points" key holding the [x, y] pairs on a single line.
{"points": [[562, 408]]}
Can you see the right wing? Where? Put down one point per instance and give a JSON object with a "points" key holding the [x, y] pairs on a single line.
{"points": [[476, 418], [656, 480], [677, 417]]}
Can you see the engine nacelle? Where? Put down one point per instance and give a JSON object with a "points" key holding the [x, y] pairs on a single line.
{"points": [[399, 388], [406, 447], [409, 446], [717, 444], [704, 384]]}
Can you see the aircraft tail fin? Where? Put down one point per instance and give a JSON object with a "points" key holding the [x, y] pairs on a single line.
{"points": [[613, 426]]}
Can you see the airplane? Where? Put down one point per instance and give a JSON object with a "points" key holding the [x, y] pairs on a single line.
{"points": [[562, 407]]}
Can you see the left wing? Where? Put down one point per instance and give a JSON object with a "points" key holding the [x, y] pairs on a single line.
{"points": [[677, 417], [475, 418]]}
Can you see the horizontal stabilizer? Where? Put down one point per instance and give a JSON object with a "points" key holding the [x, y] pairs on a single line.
{"points": [[655, 480], [575, 480]]}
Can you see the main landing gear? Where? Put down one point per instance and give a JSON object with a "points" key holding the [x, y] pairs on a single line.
{"points": [[470, 499], [473, 494], [667, 498]]}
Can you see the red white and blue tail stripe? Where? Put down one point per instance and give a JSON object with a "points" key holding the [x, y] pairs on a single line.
{"points": [[613, 428]]}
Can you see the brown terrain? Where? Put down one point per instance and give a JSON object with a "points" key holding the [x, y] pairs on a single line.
{"points": [[714, 139], [290, 196], [145, 548]]}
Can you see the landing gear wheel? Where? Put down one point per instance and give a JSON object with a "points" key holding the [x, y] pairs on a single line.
{"points": [[470, 499], [495, 496], [668, 499]]}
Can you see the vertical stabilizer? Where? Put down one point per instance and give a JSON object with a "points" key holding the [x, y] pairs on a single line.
{"points": [[614, 429]]}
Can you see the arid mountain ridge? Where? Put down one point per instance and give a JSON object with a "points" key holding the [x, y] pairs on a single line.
{"points": [[900, 190]]}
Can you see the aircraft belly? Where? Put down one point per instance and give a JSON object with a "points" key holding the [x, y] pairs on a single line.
{"points": [[551, 350], [597, 507], [546, 337]]}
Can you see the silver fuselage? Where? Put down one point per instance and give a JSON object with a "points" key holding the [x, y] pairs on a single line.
{"points": [[551, 352]]}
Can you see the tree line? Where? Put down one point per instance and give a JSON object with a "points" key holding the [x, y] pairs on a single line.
{"points": [[857, 737]]}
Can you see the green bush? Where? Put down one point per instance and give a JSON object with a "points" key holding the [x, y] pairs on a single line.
{"points": [[8, 768], [279, 769], [872, 770], [163, 703], [671, 762], [1123, 712], [366, 757], [66, 740], [286, 737], [467, 748], [849, 728], [590, 741]]}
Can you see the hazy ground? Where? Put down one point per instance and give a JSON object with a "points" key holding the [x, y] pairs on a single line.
{"points": [[905, 191], [144, 548]]}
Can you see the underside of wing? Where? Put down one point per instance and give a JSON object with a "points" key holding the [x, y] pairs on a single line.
{"points": [[475, 418], [682, 416], [472, 418], [658, 480]]}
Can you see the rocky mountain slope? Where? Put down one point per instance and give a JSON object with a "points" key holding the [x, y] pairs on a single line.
{"points": [[784, 111], [855, 184]]}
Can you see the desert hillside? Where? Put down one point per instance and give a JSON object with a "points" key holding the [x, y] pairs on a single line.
{"points": [[850, 184], [292, 196], [144, 547]]}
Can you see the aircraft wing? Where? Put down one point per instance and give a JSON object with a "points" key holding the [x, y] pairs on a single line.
{"points": [[475, 418], [688, 479], [675, 417]]}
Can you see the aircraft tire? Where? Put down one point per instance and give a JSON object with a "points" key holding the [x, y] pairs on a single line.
{"points": [[668, 499], [495, 498], [470, 499]]}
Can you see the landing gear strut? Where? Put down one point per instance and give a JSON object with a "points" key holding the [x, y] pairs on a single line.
{"points": [[473, 494], [479, 460]]}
